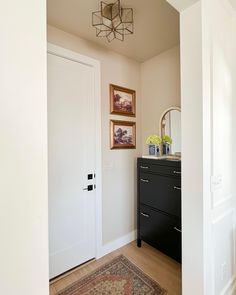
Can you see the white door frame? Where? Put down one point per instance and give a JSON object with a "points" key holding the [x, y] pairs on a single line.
{"points": [[95, 64]]}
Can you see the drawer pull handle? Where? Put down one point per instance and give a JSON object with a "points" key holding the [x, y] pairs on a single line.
{"points": [[176, 172], [145, 180], [145, 215], [144, 167], [177, 188], [178, 230]]}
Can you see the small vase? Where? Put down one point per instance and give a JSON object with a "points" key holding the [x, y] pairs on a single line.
{"points": [[165, 149], [154, 150]]}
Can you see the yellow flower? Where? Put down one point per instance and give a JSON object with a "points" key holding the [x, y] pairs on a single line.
{"points": [[167, 139], [154, 139]]}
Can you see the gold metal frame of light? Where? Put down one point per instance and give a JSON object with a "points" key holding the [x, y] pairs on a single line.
{"points": [[113, 21]]}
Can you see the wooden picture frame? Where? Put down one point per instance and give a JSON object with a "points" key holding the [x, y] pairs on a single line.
{"points": [[123, 134], [122, 101]]}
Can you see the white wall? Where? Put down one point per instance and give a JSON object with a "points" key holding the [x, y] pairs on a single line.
{"points": [[160, 78], [23, 146], [208, 85], [119, 166], [192, 151], [219, 92]]}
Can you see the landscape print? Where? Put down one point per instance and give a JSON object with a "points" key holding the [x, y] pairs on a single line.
{"points": [[122, 101], [122, 134]]}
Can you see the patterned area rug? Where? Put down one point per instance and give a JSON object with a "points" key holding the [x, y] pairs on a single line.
{"points": [[118, 277]]}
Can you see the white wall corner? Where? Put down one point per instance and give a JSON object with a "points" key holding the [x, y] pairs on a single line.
{"points": [[116, 244], [181, 5]]}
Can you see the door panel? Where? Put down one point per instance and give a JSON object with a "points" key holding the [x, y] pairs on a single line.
{"points": [[71, 157]]}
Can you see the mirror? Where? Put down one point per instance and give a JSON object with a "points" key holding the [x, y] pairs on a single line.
{"points": [[170, 124]]}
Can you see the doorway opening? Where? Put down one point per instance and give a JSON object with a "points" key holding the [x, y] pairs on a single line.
{"points": [[149, 66]]}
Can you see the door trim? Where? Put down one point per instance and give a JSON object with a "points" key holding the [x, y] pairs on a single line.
{"points": [[95, 64]]}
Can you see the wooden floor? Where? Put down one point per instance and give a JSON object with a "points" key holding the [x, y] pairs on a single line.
{"points": [[159, 267]]}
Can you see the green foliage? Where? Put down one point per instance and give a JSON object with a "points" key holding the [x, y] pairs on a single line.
{"points": [[154, 139], [167, 139]]}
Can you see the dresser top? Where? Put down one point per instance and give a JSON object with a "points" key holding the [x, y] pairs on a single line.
{"points": [[161, 162]]}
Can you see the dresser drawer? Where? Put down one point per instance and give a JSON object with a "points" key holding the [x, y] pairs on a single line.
{"points": [[161, 192], [159, 169], [161, 231]]}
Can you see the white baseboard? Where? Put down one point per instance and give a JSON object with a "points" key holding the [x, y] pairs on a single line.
{"points": [[116, 244]]}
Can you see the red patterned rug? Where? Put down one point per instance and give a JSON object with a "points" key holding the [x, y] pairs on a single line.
{"points": [[119, 276]]}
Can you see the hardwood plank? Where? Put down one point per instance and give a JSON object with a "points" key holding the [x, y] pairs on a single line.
{"points": [[52, 290]]}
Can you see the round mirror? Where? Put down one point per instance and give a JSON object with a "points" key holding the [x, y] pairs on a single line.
{"points": [[170, 125]]}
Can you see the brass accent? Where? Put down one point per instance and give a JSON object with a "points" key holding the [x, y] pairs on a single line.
{"points": [[113, 21]]}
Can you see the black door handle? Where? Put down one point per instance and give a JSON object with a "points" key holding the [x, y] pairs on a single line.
{"points": [[88, 188]]}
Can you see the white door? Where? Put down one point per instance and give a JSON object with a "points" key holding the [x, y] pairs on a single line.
{"points": [[71, 144]]}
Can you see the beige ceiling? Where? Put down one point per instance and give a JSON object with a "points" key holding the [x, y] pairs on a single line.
{"points": [[156, 25]]}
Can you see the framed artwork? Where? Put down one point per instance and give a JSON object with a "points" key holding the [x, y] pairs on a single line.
{"points": [[122, 101], [123, 134]]}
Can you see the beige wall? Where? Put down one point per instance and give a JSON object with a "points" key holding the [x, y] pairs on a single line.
{"points": [[23, 157], [118, 166], [160, 78]]}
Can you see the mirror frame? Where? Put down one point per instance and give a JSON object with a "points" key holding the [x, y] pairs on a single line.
{"points": [[163, 115]]}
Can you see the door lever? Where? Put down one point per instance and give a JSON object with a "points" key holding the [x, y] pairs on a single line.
{"points": [[88, 188]]}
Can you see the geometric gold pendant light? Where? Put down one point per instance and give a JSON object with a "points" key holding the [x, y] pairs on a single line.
{"points": [[113, 21]]}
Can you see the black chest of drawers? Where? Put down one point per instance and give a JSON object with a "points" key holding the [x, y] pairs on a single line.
{"points": [[159, 205]]}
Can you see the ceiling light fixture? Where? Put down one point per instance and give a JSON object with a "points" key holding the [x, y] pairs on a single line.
{"points": [[113, 21]]}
